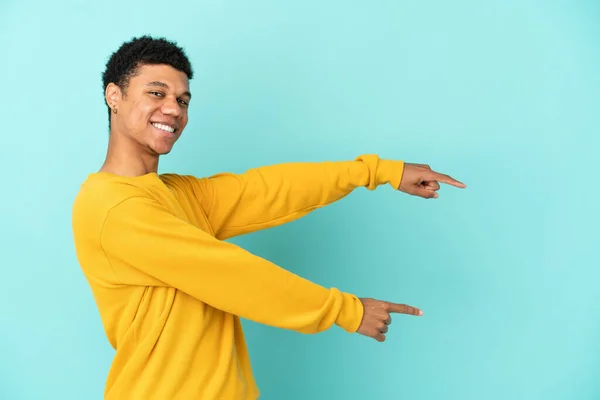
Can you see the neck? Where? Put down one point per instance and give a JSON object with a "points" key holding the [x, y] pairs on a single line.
{"points": [[126, 157]]}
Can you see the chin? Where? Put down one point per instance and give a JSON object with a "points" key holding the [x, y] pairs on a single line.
{"points": [[161, 151]]}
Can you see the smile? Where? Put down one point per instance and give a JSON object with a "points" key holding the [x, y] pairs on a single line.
{"points": [[163, 127]]}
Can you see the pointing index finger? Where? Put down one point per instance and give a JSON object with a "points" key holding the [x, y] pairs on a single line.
{"points": [[447, 179], [404, 309]]}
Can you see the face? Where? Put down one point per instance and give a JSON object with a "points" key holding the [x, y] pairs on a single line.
{"points": [[154, 109]]}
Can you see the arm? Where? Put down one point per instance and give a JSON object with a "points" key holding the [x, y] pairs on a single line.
{"points": [[273, 195], [145, 239]]}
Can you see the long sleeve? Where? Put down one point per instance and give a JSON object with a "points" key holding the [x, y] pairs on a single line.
{"points": [[272, 195], [146, 240]]}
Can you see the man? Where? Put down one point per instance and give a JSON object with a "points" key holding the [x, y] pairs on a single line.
{"points": [[169, 289]]}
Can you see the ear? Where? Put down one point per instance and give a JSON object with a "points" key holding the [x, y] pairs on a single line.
{"points": [[112, 95]]}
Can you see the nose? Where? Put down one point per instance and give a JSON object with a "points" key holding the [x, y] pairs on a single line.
{"points": [[171, 107]]}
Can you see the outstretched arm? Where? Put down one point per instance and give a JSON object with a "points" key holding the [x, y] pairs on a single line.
{"points": [[150, 246], [273, 195]]}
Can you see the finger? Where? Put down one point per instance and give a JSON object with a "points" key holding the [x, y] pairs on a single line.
{"points": [[427, 193], [445, 179], [383, 328], [404, 309], [388, 321], [380, 337], [431, 185]]}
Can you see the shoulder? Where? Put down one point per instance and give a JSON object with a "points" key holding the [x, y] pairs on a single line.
{"points": [[102, 192], [188, 187], [99, 194], [181, 182]]}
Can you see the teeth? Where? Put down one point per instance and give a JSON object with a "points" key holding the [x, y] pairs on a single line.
{"points": [[164, 127]]}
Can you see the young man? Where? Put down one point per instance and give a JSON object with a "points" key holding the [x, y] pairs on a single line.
{"points": [[169, 289]]}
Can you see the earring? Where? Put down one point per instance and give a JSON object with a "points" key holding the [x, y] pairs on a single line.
{"points": [[114, 110]]}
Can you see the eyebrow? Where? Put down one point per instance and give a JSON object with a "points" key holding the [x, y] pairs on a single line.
{"points": [[164, 85]]}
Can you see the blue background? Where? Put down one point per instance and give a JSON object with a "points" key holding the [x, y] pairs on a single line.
{"points": [[503, 96]]}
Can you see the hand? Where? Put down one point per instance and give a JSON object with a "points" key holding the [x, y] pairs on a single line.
{"points": [[376, 317], [420, 180]]}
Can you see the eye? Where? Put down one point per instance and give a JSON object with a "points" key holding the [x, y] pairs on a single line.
{"points": [[185, 103], [159, 94]]}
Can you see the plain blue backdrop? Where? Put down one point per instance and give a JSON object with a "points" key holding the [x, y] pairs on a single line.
{"points": [[503, 96]]}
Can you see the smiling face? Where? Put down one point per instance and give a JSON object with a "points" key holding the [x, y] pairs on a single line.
{"points": [[153, 111]]}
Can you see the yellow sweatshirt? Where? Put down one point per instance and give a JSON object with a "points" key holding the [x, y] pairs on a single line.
{"points": [[170, 291]]}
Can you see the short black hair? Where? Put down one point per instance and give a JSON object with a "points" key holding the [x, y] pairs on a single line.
{"points": [[124, 63]]}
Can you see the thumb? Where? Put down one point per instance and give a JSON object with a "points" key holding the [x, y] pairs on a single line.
{"points": [[426, 193]]}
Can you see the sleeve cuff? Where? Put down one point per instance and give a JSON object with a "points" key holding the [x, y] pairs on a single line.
{"points": [[382, 171], [390, 171], [351, 314]]}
